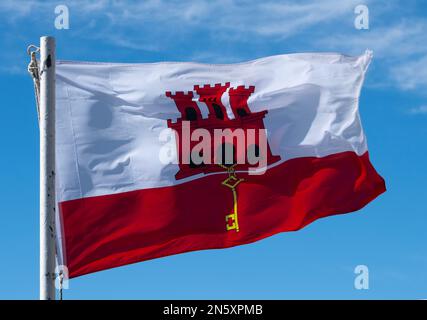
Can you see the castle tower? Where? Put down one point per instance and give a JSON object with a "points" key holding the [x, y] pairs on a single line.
{"points": [[211, 96], [239, 100], [244, 119], [186, 105]]}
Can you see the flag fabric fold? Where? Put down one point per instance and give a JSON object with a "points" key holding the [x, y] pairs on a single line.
{"points": [[129, 187]]}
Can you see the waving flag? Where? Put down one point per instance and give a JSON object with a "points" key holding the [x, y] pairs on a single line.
{"points": [[141, 172]]}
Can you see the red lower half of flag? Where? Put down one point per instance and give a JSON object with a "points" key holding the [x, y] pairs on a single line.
{"points": [[108, 231]]}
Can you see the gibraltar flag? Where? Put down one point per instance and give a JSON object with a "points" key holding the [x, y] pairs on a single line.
{"points": [[129, 188]]}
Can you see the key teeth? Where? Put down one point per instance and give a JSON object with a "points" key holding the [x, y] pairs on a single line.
{"points": [[210, 87], [242, 90], [179, 94], [219, 85]]}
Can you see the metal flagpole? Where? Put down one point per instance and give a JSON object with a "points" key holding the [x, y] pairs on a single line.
{"points": [[47, 168]]}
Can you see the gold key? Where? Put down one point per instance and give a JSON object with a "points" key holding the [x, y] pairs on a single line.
{"points": [[231, 182]]}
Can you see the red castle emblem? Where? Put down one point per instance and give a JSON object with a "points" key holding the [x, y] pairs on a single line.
{"points": [[217, 119]]}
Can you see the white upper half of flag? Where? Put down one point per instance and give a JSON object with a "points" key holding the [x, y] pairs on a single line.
{"points": [[110, 115]]}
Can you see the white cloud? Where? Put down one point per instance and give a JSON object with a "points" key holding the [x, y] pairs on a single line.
{"points": [[388, 41], [161, 26], [419, 110], [398, 50], [17, 8], [411, 75], [268, 18], [161, 23]]}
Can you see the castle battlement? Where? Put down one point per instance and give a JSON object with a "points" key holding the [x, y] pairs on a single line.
{"points": [[239, 100], [180, 95], [242, 90], [186, 105], [211, 96], [208, 89]]}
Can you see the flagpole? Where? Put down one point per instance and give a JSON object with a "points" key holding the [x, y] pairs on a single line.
{"points": [[47, 168]]}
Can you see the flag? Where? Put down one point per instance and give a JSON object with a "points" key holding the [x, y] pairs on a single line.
{"points": [[157, 159]]}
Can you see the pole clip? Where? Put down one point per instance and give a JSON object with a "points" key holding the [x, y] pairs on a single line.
{"points": [[34, 71]]}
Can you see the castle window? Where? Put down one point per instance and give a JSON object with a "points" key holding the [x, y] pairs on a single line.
{"points": [[218, 111], [253, 154], [194, 165], [242, 112], [228, 154], [190, 114]]}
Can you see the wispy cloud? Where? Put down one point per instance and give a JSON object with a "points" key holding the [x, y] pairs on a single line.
{"points": [[402, 38], [17, 9], [212, 30], [265, 18], [418, 110], [397, 47], [411, 74]]}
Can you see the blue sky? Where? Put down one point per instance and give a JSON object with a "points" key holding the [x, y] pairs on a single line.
{"points": [[388, 235]]}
